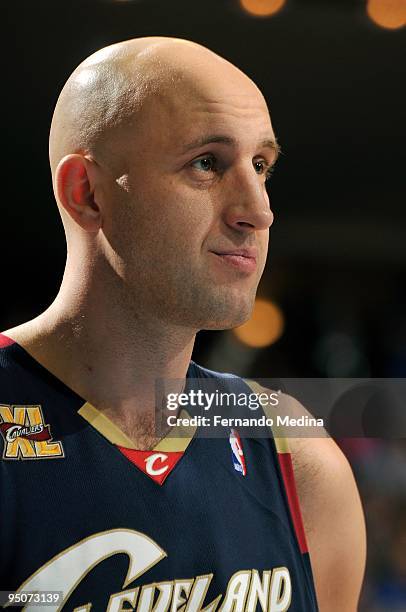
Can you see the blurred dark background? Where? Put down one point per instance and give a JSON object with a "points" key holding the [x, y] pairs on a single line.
{"points": [[333, 298]]}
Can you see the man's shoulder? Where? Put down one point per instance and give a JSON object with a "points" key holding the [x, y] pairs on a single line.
{"points": [[332, 515], [333, 521], [317, 459], [23, 334], [21, 374], [330, 506]]}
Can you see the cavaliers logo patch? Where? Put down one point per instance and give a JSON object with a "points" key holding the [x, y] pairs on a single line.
{"points": [[26, 435]]}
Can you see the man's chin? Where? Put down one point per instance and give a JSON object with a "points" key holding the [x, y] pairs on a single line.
{"points": [[229, 322]]}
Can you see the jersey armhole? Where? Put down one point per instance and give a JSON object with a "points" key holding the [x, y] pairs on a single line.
{"points": [[284, 457], [288, 476]]}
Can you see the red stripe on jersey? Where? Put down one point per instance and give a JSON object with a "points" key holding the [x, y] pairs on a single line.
{"points": [[5, 341], [155, 464], [285, 462]]}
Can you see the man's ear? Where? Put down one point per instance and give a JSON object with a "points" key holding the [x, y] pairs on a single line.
{"points": [[75, 192]]}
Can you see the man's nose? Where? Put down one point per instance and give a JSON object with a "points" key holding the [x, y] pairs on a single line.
{"points": [[247, 207]]}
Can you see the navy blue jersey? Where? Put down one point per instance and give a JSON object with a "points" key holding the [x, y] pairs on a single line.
{"points": [[194, 524]]}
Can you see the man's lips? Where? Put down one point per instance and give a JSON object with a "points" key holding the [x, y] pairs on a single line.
{"points": [[242, 259]]}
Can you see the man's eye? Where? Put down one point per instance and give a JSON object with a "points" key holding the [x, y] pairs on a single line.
{"points": [[261, 167], [205, 164]]}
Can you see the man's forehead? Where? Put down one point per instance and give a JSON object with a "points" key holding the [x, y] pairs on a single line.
{"points": [[236, 126], [198, 119], [218, 91], [183, 125]]}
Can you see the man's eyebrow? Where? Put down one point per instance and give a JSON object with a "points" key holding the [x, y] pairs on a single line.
{"points": [[269, 143], [211, 138]]}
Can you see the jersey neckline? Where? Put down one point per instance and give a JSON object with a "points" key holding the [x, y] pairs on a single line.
{"points": [[96, 419]]}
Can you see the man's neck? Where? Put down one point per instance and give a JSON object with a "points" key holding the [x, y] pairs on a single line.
{"points": [[110, 360]]}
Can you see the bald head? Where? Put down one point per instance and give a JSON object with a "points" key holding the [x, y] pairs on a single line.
{"points": [[109, 89]]}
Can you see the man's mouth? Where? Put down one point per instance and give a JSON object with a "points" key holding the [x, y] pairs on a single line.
{"points": [[242, 259]]}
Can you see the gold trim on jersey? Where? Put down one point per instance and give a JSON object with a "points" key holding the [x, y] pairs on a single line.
{"points": [[279, 436], [116, 436]]}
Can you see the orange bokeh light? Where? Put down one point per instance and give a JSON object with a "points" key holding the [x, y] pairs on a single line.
{"points": [[262, 8], [389, 14], [265, 326]]}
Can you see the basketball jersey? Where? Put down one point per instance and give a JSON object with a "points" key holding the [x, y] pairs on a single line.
{"points": [[195, 524]]}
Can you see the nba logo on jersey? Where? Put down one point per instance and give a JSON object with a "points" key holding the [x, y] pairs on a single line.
{"points": [[237, 452]]}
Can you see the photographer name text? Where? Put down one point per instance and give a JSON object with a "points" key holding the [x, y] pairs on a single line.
{"points": [[261, 421]]}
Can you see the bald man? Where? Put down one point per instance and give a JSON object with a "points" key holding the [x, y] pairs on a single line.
{"points": [[160, 151]]}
